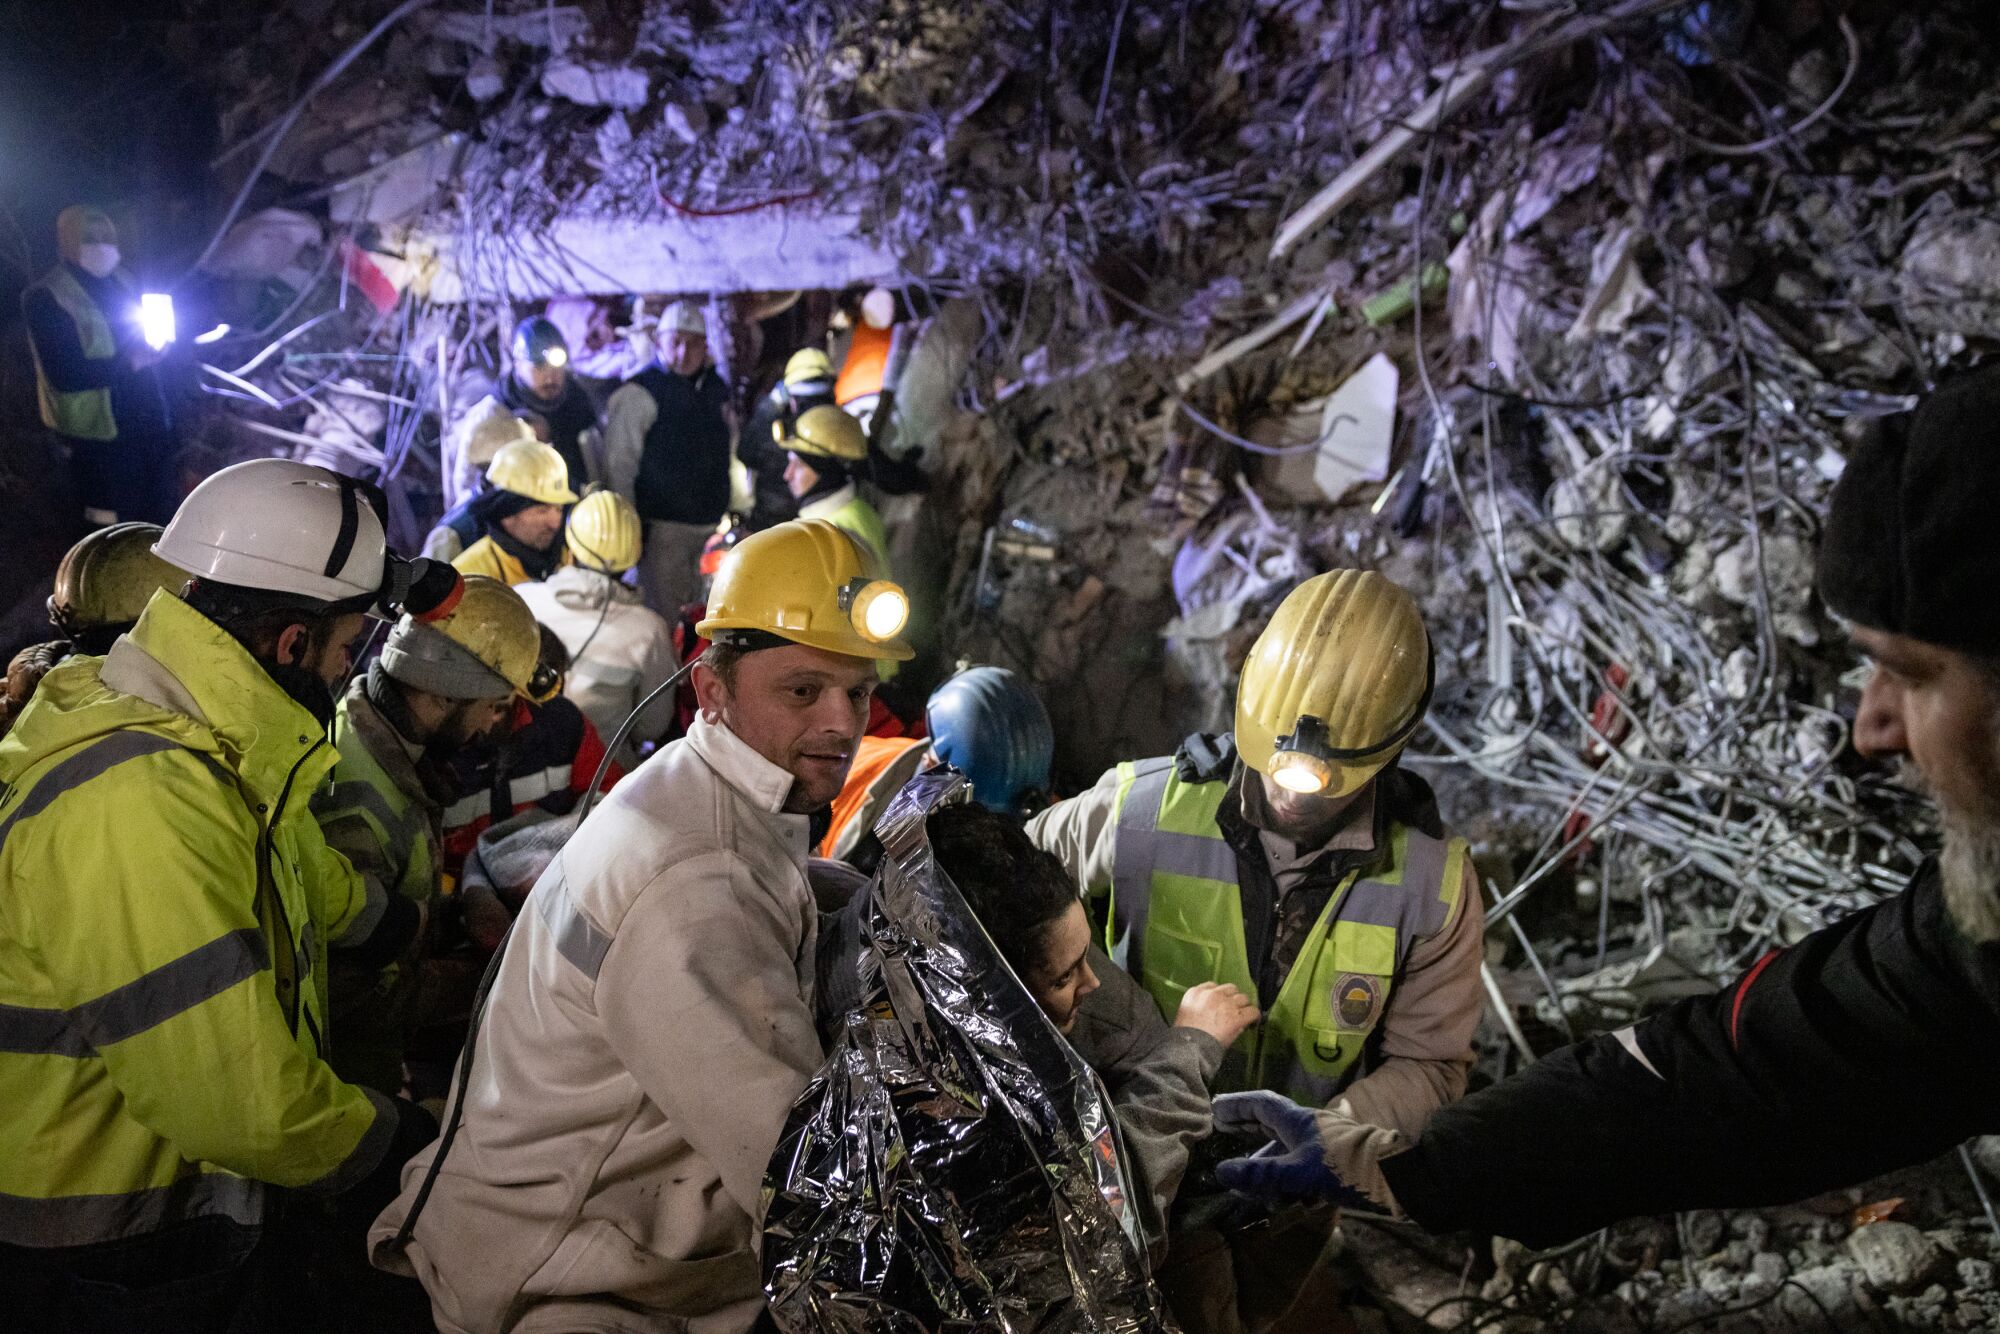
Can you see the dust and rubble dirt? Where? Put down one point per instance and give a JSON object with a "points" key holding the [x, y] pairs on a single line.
{"points": [[1565, 317]]}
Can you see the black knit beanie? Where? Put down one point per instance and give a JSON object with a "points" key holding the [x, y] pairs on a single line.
{"points": [[1912, 540]]}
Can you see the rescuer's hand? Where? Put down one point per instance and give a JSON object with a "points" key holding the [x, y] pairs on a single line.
{"points": [[1219, 1009], [1293, 1166]]}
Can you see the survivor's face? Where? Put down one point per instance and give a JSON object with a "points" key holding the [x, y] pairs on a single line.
{"points": [[1935, 708], [683, 353], [803, 709], [1064, 977], [535, 527], [543, 381], [800, 476], [1306, 820]]}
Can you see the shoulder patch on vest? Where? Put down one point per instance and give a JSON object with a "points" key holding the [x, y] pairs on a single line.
{"points": [[1357, 997]]}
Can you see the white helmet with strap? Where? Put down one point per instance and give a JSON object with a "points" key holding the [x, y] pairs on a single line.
{"points": [[285, 527]]}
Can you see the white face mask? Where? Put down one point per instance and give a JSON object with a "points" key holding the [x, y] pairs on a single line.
{"points": [[97, 259]]}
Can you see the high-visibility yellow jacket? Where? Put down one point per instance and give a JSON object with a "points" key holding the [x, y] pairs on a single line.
{"points": [[84, 414], [165, 899], [489, 558]]}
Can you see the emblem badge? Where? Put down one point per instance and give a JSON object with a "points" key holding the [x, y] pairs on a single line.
{"points": [[1356, 996]]}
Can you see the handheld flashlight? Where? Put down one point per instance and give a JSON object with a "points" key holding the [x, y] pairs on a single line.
{"points": [[156, 319]]}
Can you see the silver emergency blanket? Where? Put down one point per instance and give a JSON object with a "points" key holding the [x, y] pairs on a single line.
{"points": [[954, 1164]]}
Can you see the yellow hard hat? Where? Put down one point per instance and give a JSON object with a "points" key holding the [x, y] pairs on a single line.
{"points": [[109, 577], [808, 364], [532, 469], [1336, 684], [824, 432], [809, 582], [487, 645], [604, 533]]}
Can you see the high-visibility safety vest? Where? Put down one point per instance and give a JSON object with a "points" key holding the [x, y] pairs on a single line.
{"points": [[873, 778], [84, 414], [1177, 906], [164, 900]]}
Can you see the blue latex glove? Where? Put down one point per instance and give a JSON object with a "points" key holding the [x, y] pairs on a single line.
{"points": [[1293, 1166]]}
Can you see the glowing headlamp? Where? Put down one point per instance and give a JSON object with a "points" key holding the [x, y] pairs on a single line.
{"points": [[556, 356], [156, 319], [1303, 761], [878, 608]]}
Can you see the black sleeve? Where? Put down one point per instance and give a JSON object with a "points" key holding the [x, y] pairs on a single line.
{"points": [[1870, 1045], [59, 347]]}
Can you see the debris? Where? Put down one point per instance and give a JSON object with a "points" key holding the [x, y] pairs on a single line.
{"points": [[1896, 1257], [485, 80], [264, 244], [597, 85], [1356, 429]]}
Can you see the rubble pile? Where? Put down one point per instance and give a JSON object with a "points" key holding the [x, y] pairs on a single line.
{"points": [[1566, 316], [1887, 1256]]}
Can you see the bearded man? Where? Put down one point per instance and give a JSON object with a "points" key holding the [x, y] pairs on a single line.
{"points": [[1869, 1045]]}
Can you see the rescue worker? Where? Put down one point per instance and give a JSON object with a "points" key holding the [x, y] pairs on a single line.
{"points": [[1296, 860], [546, 757], [1870, 1045], [95, 379], [620, 650], [438, 688], [826, 446], [666, 449], [807, 384], [521, 512], [102, 585], [986, 722], [165, 903], [541, 386], [651, 1020]]}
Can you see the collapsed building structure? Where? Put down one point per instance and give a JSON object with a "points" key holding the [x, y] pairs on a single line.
{"points": [[1565, 316]]}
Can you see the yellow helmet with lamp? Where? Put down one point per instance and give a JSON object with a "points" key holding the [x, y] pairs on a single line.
{"points": [[807, 365], [604, 533], [488, 645], [107, 578], [532, 469], [824, 432], [809, 583], [1336, 685]]}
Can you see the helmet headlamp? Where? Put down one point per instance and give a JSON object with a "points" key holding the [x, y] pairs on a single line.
{"points": [[878, 608]]}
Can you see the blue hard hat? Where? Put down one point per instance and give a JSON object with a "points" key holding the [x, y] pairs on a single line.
{"points": [[537, 336], [990, 724]]}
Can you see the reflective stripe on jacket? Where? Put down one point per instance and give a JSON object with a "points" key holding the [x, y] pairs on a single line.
{"points": [[1177, 907], [84, 414], [165, 899]]}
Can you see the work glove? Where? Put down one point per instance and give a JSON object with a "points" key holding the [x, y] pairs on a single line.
{"points": [[1293, 1166]]}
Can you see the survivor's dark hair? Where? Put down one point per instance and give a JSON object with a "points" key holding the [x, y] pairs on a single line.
{"points": [[554, 653], [1015, 889]]}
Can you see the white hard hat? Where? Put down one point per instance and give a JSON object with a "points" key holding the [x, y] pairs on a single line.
{"points": [[684, 317], [285, 527]]}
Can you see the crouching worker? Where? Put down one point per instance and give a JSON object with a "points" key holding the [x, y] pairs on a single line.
{"points": [[438, 689], [1158, 1076], [165, 899], [651, 1019], [1294, 858]]}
